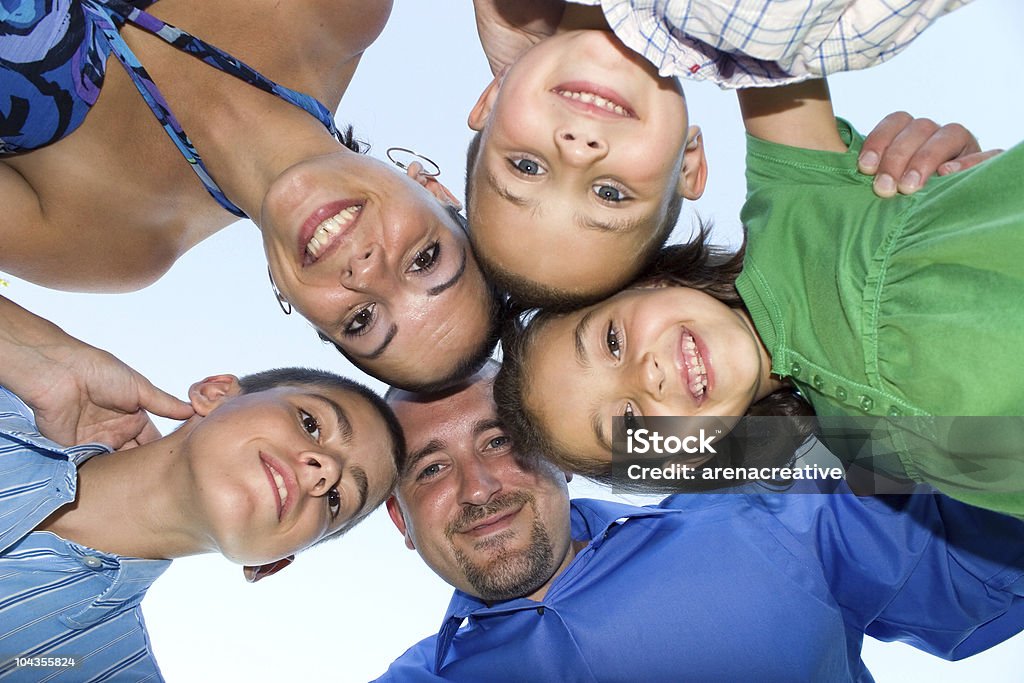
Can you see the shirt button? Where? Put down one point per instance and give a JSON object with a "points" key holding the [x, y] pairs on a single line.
{"points": [[866, 403], [795, 369], [841, 393], [894, 411], [818, 382], [92, 562]]}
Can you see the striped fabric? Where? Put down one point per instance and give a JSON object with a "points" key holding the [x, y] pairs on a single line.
{"points": [[59, 599], [743, 43]]}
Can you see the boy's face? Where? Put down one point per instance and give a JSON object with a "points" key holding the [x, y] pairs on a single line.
{"points": [[582, 151], [276, 471]]}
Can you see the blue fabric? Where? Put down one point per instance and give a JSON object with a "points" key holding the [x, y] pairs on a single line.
{"points": [[728, 586], [53, 56], [58, 598]]}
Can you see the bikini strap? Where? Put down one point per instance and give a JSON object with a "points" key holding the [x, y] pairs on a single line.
{"points": [[209, 54]]}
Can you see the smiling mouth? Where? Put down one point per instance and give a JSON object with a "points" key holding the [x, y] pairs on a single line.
{"points": [[280, 487], [602, 99], [693, 362], [329, 230]]}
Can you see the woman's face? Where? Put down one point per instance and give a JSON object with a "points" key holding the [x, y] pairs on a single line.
{"points": [[373, 259], [669, 351]]}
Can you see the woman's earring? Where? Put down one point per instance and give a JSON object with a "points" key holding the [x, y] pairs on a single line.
{"points": [[281, 301], [402, 158]]}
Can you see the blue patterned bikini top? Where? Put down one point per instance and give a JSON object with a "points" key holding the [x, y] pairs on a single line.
{"points": [[53, 56]]}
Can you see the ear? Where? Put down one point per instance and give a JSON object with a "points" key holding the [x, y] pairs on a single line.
{"points": [[481, 111], [254, 574], [395, 512], [433, 185], [213, 391], [695, 166]]}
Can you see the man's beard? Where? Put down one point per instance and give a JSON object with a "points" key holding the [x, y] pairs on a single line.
{"points": [[506, 574]]}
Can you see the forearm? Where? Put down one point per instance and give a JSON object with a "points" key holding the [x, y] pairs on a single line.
{"points": [[799, 115], [29, 346]]}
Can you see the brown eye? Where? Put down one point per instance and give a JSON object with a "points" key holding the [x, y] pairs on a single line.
{"points": [[426, 259], [360, 322]]}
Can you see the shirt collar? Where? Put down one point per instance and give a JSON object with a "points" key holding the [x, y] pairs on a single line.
{"points": [[590, 520]]}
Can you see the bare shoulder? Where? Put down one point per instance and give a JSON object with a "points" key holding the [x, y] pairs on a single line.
{"points": [[23, 219], [357, 22]]}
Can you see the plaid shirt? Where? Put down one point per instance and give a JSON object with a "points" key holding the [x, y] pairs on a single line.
{"points": [[742, 43]]}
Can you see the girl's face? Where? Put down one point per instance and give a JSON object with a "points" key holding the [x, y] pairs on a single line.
{"points": [[668, 351], [373, 259]]}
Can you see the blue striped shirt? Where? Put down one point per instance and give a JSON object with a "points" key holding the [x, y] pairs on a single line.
{"points": [[741, 43], [59, 599]]}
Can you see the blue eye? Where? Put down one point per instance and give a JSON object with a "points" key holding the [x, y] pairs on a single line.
{"points": [[609, 193], [614, 342], [526, 166]]}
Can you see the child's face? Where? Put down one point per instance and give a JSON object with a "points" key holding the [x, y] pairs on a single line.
{"points": [[582, 151], [669, 351], [276, 471]]}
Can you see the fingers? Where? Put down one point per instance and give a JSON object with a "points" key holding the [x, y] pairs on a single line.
{"points": [[965, 162], [904, 152], [159, 402]]}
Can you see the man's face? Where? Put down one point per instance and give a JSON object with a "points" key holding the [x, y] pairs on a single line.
{"points": [[485, 523], [582, 152], [276, 471]]}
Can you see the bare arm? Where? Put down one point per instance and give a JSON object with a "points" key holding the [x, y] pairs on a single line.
{"points": [[799, 115], [77, 392]]}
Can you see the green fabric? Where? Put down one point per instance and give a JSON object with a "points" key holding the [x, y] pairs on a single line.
{"points": [[909, 306]]}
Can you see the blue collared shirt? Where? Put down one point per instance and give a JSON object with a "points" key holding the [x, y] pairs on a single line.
{"points": [[723, 587], [741, 43], [61, 600]]}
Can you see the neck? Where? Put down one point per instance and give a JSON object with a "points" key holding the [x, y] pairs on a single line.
{"points": [[570, 553], [136, 504], [247, 147]]}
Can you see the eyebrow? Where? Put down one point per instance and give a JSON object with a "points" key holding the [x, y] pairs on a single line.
{"points": [[392, 331], [344, 425], [437, 289], [362, 484], [618, 225], [504, 193], [577, 337], [432, 446]]}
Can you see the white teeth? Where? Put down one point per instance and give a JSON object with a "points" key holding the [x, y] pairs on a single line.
{"points": [[282, 490], [330, 227], [696, 373], [591, 98]]}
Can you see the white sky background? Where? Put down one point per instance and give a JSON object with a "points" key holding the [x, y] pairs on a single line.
{"points": [[345, 610]]}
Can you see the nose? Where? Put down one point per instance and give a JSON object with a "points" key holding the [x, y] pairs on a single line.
{"points": [[318, 471], [579, 147], [651, 376], [478, 483], [363, 264]]}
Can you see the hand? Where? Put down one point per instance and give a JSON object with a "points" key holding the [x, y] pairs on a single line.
{"points": [[508, 28], [912, 150], [77, 392]]}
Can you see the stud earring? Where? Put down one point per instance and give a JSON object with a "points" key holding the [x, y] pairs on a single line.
{"points": [[281, 301]]}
